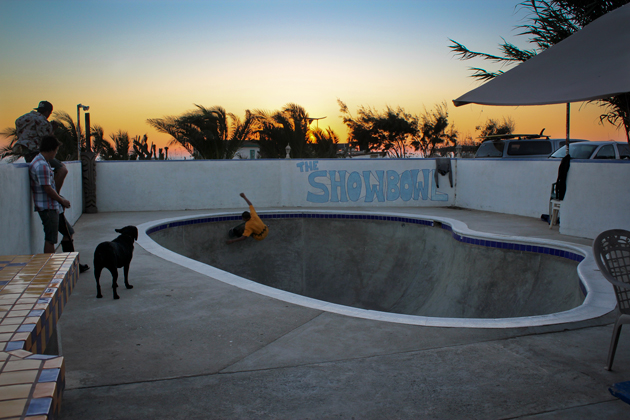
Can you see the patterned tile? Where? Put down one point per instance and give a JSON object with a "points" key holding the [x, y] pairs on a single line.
{"points": [[33, 292]]}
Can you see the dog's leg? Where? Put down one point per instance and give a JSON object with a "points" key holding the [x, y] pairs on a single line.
{"points": [[97, 276], [126, 270], [115, 282]]}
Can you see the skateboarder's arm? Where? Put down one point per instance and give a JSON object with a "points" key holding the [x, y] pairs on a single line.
{"points": [[249, 203]]}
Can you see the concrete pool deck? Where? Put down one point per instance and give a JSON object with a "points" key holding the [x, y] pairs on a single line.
{"points": [[181, 345]]}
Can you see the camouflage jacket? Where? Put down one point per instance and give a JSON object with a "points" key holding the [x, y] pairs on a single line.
{"points": [[31, 128]]}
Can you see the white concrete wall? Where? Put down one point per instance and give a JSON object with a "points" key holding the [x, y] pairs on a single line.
{"points": [[178, 185], [520, 187], [21, 230], [597, 199], [597, 196], [598, 193]]}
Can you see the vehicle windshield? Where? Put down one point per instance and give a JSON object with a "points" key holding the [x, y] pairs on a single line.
{"points": [[529, 147], [490, 149], [577, 151], [624, 151]]}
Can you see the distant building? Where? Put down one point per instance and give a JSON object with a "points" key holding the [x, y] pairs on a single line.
{"points": [[249, 150]]}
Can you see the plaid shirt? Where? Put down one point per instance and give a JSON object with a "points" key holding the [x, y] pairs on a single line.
{"points": [[42, 174], [31, 128]]}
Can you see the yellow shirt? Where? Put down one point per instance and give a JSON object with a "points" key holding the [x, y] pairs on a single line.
{"points": [[255, 227]]}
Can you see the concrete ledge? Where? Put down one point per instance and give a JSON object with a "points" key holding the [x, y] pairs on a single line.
{"points": [[33, 292]]}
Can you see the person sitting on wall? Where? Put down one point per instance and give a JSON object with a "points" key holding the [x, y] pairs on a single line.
{"points": [[30, 129], [252, 225]]}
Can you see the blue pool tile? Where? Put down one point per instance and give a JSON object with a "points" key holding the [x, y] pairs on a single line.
{"points": [[26, 328], [41, 356], [480, 242], [39, 407], [14, 345], [49, 375]]}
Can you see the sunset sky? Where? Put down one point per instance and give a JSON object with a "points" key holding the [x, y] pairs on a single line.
{"points": [[137, 59]]}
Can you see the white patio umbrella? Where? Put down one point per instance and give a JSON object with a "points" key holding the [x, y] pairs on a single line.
{"points": [[592, 63]]}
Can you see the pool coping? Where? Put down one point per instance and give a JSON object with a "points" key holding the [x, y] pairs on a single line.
{"points": [[599, 300]]}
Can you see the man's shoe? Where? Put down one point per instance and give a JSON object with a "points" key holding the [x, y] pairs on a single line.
{"points": [[83, 268]]}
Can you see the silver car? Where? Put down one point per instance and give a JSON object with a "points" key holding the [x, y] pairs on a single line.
{"points": [[595, 150], [519, 146]]}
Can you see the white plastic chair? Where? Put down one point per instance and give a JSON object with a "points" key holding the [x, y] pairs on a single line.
{"points": [[611, 249], [554, 212]]}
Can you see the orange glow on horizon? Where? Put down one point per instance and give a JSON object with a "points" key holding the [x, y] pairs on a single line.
{"points": [[161, 61]]}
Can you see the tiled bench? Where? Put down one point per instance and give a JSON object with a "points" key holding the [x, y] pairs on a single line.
{"points": [[33, 292]]}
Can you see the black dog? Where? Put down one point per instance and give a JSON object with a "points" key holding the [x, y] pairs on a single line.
{"points": [[113, 255]]}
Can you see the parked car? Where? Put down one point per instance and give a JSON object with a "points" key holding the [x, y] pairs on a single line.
{"points": [[594, 150], [519, 146]]}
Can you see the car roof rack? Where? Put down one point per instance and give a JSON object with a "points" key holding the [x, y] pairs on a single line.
{"points": [[496, 137]]}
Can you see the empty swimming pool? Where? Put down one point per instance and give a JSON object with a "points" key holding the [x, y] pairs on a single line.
{"points": [[416, 270]]}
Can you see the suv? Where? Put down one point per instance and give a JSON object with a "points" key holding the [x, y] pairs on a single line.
{"points": [[519, 146], [595, 150]]}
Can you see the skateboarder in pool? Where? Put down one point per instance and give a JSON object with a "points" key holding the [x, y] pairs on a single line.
{"points": [[253, 226]]}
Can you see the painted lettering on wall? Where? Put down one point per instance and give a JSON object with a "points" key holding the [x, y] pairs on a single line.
{"points": [[308, 166], [340, 186]]}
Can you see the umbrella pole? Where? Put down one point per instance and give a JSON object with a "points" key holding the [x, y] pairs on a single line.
{"points": [[568, 125]]}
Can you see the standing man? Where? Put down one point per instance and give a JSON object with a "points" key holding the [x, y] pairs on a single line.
{"points": [[30, 129], [48, 202], [253, 226]]}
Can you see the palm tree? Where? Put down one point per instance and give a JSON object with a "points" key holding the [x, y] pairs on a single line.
{"points": [[118, 151], [206, 133], [324, 144], [141, 149], [617, 111], [290, 126], [101, 147], [66, 133]]}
